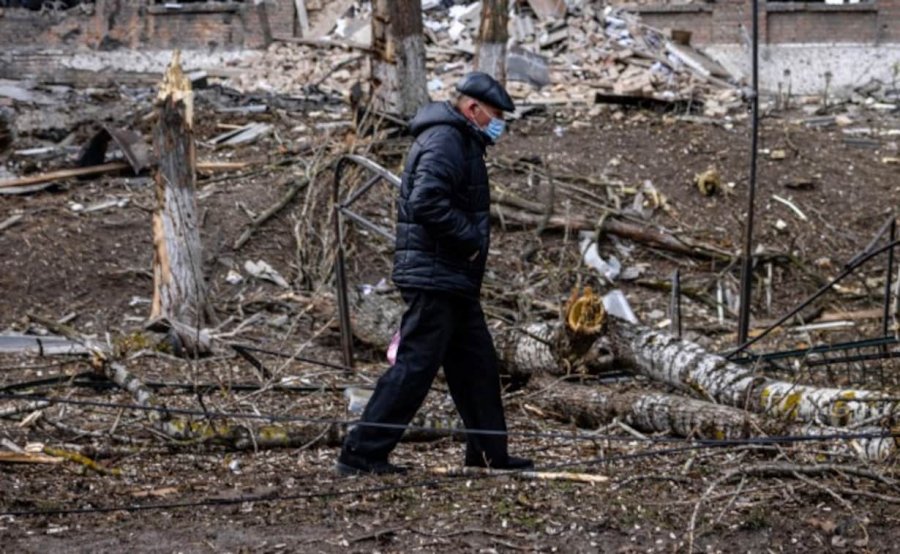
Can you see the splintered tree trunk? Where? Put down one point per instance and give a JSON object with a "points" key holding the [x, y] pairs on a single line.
{"points": [[398, 57], [180, 303], [687, 366], [492, 36]]}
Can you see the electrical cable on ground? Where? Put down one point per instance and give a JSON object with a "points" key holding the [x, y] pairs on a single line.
{"points": [[773, 439]]}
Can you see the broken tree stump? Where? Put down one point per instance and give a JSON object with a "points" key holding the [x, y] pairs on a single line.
{"points": [[522, 351], [180, 305]]}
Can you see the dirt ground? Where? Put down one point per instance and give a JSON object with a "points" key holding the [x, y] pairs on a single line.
{"points": [[661, 496]]}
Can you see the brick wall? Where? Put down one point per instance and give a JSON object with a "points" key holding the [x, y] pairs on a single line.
{"points": [[845, 24], [730, 21], [888, 21], [696, 18], [139, 24], [129, 23]]}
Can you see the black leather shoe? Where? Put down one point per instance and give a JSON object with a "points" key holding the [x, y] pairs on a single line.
{"points": [[354, 465], [512, 462]]}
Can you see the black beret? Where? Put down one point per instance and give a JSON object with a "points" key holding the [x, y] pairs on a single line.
{"points": [[485, 88]]}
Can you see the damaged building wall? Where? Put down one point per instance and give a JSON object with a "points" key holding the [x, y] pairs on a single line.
{"points": [[107, 24], [800, 42], [729, 21]]}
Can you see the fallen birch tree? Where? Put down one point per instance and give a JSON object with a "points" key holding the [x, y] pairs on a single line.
{"points": [[688, 367], [584, 343], [650, 412]]}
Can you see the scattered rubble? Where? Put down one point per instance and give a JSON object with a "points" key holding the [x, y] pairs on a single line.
{"points": [[548, 59]]}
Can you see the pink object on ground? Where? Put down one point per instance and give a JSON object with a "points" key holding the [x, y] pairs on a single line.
{"points": [[392, 348]]}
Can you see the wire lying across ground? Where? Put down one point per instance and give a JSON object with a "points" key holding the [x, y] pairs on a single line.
{"points": [[772, 439], [436, 482]]}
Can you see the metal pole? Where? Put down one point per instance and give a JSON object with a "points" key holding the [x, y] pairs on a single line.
{"points": [[340, 273], [747, 266], [888, 283], [822, 290], [675, 305]]}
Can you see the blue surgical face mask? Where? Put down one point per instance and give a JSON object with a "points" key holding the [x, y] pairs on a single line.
{"points": [[495, 128]]}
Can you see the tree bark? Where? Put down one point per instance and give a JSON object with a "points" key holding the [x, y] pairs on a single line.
{"points": [[398, 57], [179, 289], [688, 367], [535, 348], [490, 55], [543, 348], [650, 412]]}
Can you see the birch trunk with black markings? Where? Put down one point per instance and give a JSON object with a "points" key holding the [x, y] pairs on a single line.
{"points": [[650, 412], [688, 367]]}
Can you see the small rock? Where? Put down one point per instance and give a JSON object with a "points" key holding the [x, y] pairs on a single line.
{"points": [[656, 314], [843, 120]]}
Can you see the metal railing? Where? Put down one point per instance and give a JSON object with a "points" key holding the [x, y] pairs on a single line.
{"points": [[342, 210]]}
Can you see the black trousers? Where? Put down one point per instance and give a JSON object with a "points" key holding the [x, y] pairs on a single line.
{"points": [[437, 329]]}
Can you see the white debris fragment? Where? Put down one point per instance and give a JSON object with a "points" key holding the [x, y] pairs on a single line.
{"points": [[358, 398], [233, 277], [138, 301], [591, 255], [617, 305], [262, 270]]}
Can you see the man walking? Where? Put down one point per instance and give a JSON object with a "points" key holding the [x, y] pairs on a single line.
{"points": [[443, 234]]}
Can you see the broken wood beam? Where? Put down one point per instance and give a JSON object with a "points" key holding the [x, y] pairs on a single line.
{"points": [[326, 43], [302, 17], [643, 234], [527, 475], [111, 167]]}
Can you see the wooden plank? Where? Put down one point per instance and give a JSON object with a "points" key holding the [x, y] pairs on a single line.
{"points": [[111, 167], [203, 8], [548, 9], [28, 458]]}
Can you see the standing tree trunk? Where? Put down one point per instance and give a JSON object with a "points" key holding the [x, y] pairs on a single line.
{"points": [[180, 303], [492, 36], [398, 57]]}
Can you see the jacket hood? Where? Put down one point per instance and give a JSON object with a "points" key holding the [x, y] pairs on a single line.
{"points": [[442, 113]]}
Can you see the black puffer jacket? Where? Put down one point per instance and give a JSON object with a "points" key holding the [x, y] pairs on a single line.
{"points": [[443, 212]]}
